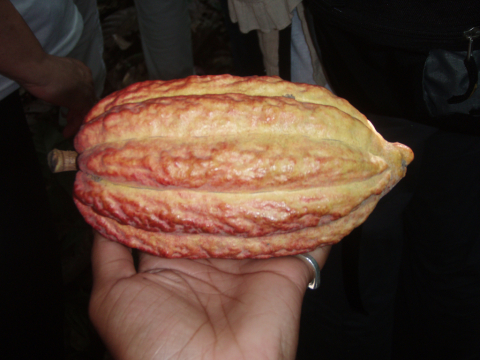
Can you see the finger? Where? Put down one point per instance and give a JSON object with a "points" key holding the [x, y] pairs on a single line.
{"points": [[111, 261], [321, 254]]}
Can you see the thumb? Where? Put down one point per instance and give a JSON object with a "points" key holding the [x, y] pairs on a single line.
{"points": [[111, 262]]}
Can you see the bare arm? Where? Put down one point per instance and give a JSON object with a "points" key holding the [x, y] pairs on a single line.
{"points": [[58, 80]]}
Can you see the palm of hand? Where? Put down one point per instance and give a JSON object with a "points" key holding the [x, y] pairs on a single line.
{"points": [[197, 309]]}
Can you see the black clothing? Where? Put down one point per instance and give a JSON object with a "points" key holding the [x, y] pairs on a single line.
{"points": [[32, 306], [418, 259]]}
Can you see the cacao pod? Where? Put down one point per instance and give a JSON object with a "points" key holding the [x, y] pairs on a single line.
{"points": [[223, 166]]}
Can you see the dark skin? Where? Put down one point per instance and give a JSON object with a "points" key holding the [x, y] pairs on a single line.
{"points": [[58, 80], [197, 309]]}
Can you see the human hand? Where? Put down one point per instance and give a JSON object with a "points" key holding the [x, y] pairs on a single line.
{"points": [[61, 81], [197, 309], [65, 82]]}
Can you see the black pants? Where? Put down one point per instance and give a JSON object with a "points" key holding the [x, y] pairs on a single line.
{"points": [[32, 313]]}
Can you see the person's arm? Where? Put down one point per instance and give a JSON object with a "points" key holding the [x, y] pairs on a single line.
{"points": [[58, 80], [197, 309]]}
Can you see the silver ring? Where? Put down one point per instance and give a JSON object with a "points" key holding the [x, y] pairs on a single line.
{"points": [[315, 283]]}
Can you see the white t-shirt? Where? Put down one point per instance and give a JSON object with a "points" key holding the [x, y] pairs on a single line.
{"points": [[57, 24]]}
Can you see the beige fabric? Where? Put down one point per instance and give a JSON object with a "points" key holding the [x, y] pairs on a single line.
{"points": [[267, 17], [269, 43], [264, 15]]}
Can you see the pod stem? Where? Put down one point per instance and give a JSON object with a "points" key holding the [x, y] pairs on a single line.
{"points": [[62, 160]]}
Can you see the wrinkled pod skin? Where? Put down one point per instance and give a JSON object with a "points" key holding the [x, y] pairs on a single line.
{"points": [[231, 167]]}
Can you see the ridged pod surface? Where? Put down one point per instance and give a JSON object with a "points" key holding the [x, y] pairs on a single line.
{"points": [[224, 166]]}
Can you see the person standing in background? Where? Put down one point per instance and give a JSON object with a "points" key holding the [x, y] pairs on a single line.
{"points": [[412, 68], [166, 38]]}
